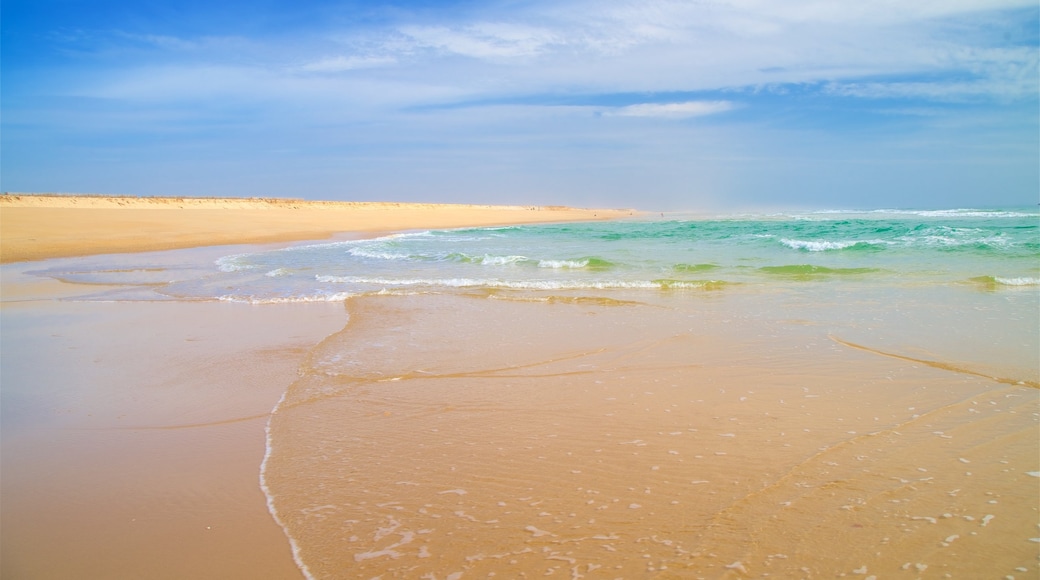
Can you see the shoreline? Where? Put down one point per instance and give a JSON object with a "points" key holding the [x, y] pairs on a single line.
{"points": [[133, 432], [42, 226], [120, 440]]}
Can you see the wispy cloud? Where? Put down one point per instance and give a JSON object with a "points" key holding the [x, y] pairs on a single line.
{"points": [[673, 110], [502, 80], [662, 46], [492, 41]]}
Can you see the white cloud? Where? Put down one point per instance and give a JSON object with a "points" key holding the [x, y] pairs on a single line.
{"points": [[603, 46], [484, 40], [673, 110]]}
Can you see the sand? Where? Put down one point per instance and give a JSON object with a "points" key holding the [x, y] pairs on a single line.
{"points": [[133, 432], [643, 440], [654, 438], [36, 227]]}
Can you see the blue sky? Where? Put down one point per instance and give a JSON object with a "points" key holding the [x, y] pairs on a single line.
{"points": [[659, 105]]}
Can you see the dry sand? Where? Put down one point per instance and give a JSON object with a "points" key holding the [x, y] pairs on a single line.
{"points": [[37, 227]]}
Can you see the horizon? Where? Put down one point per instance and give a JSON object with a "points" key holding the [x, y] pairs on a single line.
{"points": [[732, 211], [657, 106]]}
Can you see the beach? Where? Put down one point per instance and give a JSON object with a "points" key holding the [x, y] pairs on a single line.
{"points": [[468, 397], [48, 226], [131, 447]]}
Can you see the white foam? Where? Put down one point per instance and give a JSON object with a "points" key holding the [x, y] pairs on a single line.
{"points": [[562, 263], [1022, 281], [376, 255], [489, 260], [823, 245], [533, 284], [963, 212], [268, 447], [322, 297], [278, 272], [232, 264], [950, 237]]}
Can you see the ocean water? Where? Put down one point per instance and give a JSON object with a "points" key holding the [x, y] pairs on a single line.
{"points": [[961, 284], [987, 249], [990, 250], [675, 396]]}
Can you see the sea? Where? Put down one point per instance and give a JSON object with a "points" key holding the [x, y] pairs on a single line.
{"points": [[963, 280], [988, 250], [666, 396]]}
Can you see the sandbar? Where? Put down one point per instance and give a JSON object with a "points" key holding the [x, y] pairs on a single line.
{"points": [[41, 226]]}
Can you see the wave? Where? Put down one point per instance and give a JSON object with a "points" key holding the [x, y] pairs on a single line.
{"points": [[489, 260], [1022, 281], [318, 297], [361, 252], [960, 212], [825, 246], [999, 281], [233, 263], [590, 263], [942, 238], [486, 259]]}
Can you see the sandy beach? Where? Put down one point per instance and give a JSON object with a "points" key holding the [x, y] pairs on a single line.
{"points": [[37, 227], [133, 432], [474, 430]]}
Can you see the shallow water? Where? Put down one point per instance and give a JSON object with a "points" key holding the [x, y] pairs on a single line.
{"points": [[681, 398], [624, 440]]}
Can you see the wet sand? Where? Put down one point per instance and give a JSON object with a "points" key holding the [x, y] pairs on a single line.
{"points": [[133, 432], [634, 440]]}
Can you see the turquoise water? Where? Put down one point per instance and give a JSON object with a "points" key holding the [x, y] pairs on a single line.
{"points": [[994, 250], [953, 285]]}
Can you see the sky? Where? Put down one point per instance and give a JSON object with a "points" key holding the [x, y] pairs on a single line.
{"points": [[655, 105]]}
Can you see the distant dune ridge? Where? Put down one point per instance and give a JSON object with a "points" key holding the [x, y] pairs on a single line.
{"points": [[41, 226]]}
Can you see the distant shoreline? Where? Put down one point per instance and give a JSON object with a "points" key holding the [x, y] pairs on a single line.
{"points": [[37, 226]]}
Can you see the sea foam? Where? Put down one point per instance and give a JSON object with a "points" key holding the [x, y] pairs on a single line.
{"points": [[233, 263], [1021, 281], [823, 245]]}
